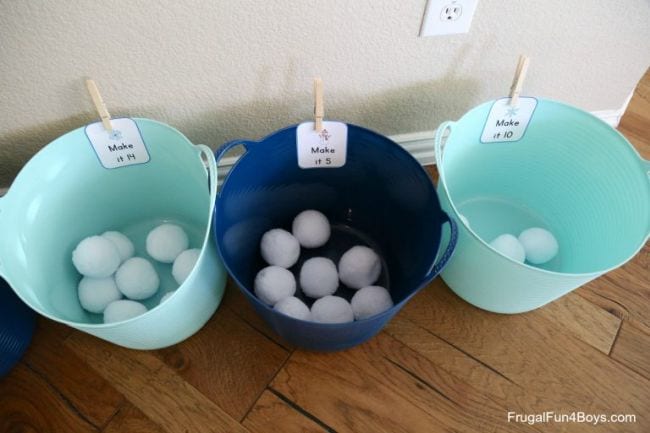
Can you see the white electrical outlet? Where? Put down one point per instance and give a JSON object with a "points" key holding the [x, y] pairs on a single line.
{"points": [[447, 17]]}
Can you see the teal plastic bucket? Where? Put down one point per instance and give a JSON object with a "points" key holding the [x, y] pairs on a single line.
{"points": [[65, 194], [570, 173]]}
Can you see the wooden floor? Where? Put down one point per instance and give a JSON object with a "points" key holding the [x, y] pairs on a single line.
{"points": [[440, 365]]}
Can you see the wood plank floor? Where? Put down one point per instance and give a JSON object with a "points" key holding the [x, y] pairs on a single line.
{"points": [[440, 366]]}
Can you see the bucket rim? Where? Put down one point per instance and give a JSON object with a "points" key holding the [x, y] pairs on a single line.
{"points": [[222, 149], [248, 293], [9, 192], [211, 173], [440, 132]]}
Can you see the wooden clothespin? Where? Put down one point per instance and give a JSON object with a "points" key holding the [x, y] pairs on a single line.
{"points": [[319, 110], [99, 105], [518, 80]]}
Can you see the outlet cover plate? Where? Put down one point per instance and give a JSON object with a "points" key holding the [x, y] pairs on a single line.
{"points": [[447, 17]]}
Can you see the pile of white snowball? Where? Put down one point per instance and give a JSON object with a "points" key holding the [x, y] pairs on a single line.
{"points": [[111, 272], [534, 245], [358, 268]]}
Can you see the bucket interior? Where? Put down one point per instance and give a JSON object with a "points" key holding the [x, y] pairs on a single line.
{"points": [[64, 195], [381, 197], [570, 173]]}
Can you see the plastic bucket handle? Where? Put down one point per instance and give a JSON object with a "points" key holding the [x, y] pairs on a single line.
{"points": [[211, 165], [446, 255], [438, 147], [226, 147]]}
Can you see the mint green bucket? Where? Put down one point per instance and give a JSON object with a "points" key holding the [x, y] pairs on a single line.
{"points": [[570, 173], [65, 194]]}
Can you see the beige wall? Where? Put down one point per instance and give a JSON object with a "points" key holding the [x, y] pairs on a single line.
{"points": [[219, 70]]}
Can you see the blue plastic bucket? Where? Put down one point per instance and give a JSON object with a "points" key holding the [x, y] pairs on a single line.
{"points": [[381, 197], [16, 328], [570, 173]]}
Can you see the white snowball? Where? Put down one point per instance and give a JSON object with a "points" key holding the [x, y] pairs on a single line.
{"points": [[184, 264], [509, 246], [122, 243], [280, 248], [96, 257], [293, 307], [311, 228], [464, 219], [331, 309], [369, 301], [166, 242], [359, 267], [166, 296], [273, 284], [318, 277], [96, 293], [137, 279], [118, 311], [540, 245]]}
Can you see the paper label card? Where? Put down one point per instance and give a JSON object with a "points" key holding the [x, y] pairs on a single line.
{"points": [[325, 149], [508, 123], [124, 146]]}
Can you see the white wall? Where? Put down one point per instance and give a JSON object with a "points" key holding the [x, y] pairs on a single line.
{"points": [[219, 70]]}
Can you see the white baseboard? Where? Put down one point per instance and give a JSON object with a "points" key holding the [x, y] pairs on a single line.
{"points": [[611, 117], [420, 144]]}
